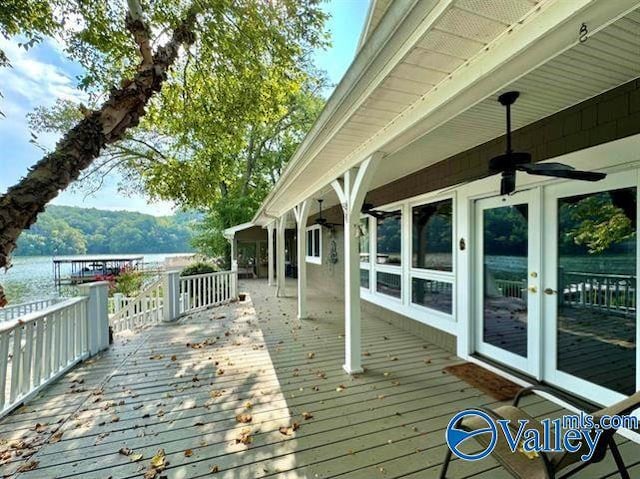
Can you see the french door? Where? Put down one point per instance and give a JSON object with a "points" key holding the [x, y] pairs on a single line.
{"points": [[555, 284], [590, 287], [507, 274]]}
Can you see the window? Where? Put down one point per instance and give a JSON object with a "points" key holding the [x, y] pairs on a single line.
{"points": [[432, 233], [314, 244], [389, 239], [364, 278], [389, 284], [432, 294], [431, 270]]}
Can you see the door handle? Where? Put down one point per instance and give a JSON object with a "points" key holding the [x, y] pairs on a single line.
{"points": [[550, 291]]}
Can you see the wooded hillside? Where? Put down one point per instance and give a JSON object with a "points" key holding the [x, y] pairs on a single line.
{"points": [[71, 230]]}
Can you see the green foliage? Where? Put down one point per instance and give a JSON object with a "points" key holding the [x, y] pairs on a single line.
{"points": [[227, 119], [64, 230], [198, 268], [506, 230], [128, 282], [30, 18], [596, 223]]}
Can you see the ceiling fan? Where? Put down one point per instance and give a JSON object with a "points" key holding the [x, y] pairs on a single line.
{"points": [[513, 161], [367, 209], [320, 220]]}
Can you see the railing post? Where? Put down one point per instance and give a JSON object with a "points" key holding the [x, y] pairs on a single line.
{"points": [[118, 302], [97, 315], [171, 296], [233, 287]]}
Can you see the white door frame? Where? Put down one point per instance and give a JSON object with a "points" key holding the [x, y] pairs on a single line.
{"points": [[531, 364], [552, 375]]}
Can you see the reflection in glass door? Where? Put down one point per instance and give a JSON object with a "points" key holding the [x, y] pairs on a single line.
{"points": [[507, 280], [505, 265], [593, 298]]}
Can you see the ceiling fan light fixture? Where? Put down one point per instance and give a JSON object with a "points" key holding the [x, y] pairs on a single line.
{"points": [[512, 161]]}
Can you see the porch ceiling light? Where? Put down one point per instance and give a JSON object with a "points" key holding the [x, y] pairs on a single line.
{"points": [[513, 161]]}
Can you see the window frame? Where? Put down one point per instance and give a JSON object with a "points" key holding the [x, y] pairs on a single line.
{"points": [[433, 274], [311, 244], [404, 305], [366, 265], [376, 267]]}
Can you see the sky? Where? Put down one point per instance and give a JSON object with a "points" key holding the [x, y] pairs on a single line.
{"points": [[42, 75]]}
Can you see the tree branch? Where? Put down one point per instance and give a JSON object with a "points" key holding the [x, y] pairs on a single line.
{"points": [[139, 29], [20, 205]]}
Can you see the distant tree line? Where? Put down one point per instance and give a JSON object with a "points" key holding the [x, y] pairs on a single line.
{"points": [[66, 230]]}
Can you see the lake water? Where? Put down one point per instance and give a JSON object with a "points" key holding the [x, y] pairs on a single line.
{"points": [[31, 277]]}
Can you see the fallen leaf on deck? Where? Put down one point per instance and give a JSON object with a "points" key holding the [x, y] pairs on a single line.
{"points": [[341, 388], [56, 437], [174, 358], [244, 418], [188, 453], [214, 469], [125, 451], [28, 466], [135, 457], [307, 415], [248, 405], [311, 355], [157, 460], [244, 437], [288, 430]]}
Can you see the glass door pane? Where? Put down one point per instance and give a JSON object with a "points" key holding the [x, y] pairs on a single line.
{"points": [[596, 295], [505, 256]]}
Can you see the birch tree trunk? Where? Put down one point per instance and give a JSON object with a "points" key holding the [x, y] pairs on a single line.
{"points": [[20, 205]]}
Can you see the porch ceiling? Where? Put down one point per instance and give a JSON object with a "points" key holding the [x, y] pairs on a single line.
{"points": [[440, 86]]}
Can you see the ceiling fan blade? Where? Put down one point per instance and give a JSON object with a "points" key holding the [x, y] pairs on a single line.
{"points": [[367, 209], [558, 170]]}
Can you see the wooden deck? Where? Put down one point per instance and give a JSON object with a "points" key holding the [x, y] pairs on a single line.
{"points": [[181, 388]]}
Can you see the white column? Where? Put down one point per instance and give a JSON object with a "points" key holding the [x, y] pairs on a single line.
{"points": [[270, 228], [351, 190], [171, 296], [301, 213], [280, 279], [97, 315], [234, 252]]}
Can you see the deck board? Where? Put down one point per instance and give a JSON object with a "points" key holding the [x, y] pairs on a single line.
{"points": [[151, 390]]}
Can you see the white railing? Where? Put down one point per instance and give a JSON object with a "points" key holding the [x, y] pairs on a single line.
{"points": [[610, 292], [39, 347], [118, 301], [201, 291], [145, 309], [16, 310], [511, 288]]}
